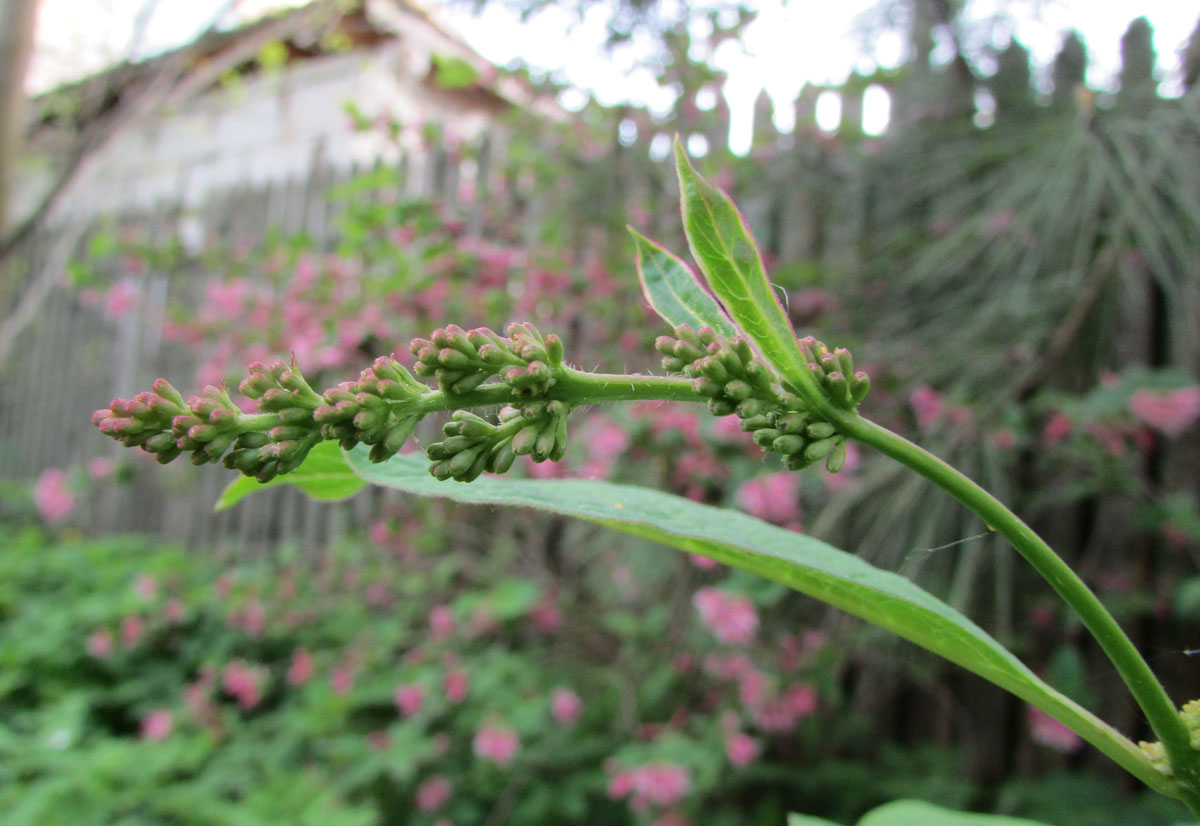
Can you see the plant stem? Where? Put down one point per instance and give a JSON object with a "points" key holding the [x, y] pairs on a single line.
{"points": [[1149, 693], [575, 387]]}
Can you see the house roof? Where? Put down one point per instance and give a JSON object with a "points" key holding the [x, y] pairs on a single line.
{"points": [[317, 29]]}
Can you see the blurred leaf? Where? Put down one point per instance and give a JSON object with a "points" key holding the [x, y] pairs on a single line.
{"points": [[801, 562], [919, 813], [324, 475], [452, 72], [673, 291], [1187, 599]]}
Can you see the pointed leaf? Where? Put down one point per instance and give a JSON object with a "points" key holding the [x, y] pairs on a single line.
{"points": [[728, 256], [800, 562], [673, 291], [920, 813], [324, 475]]}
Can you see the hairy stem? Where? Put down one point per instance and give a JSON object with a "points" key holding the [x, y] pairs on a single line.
{"points": [[1143, 684]]}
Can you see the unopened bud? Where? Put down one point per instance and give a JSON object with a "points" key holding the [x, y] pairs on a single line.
{"points": [[788, 444], [820, 430], [837, 457], [819, 449]]}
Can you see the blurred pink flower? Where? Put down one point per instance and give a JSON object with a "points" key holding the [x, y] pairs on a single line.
{"points": [[433, 793], [928, 405], [242, 683], [1170, 412], [731, 618], [456, 685], [565, 706], [173, 611], [545, 616], [773, 497], [131, 630], [672, 819], [741, 749], [702, 562], [409, 698], [52, 496], [441, 622], [100, 643], [782, 713], [301, 669], [157, 725], [341, 680], [120, 299], [145, 587], [100, 467], [1049, 732], [496, 744], [653, 784], [1057, 428]]}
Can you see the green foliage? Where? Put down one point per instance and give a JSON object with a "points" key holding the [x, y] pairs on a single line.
{"points": [[672, 290]]}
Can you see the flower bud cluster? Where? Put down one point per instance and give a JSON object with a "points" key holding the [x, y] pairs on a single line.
{"points": [[282, 391], [380, 409], [145, 421], [1190, 715], [844, 386], [735, 381], [473, 445], [462, 360]]}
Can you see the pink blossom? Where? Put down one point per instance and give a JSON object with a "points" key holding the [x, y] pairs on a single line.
{"points": [[780, 714], [131, 630], [120, 299], [565, 706], [52, 495], [741, 749], [100, 467], [409, 698], [441, 622], [545, 616], [928, 405], [456, 684], [145, 587], [157, 725], [341, 680], [672, 819], [702, 562], [496, 744], [1170, 413], [434, 793], [301, 669], [731, 618], [1057, 428], [243, 683], [378, 532], [653, 784], [1049, 732], [1005, 438], [773, 497], [173, 611], [99, 644]]}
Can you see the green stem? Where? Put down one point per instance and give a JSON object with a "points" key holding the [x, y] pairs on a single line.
{"points": [[573, 386], [1143, 684]]}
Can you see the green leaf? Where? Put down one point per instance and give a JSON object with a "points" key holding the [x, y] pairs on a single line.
{"points": [[451, 72], [728, 256], [800, 562], [324, 475], [673, 291], [920, 813], [808, 820]]}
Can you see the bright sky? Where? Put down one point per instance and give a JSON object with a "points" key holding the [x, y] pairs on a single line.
{"points": [[790, 43]]}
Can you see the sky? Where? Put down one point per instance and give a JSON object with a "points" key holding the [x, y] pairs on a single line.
{"points": [[790, 43]]}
